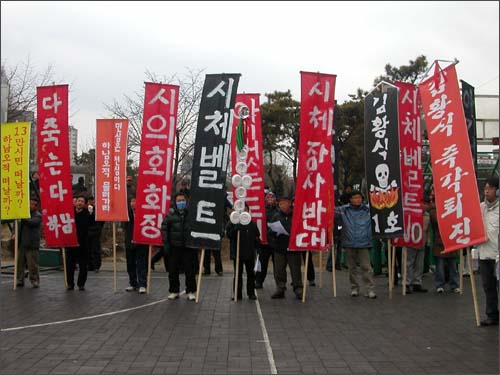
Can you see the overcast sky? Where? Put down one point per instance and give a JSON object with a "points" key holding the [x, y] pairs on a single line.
{"points": [[102, 49]]}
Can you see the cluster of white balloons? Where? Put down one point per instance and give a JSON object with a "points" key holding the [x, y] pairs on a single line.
{"points": [[241, 181]]}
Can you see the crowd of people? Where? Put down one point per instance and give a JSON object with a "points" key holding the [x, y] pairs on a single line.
{"points": [[353, 238]]}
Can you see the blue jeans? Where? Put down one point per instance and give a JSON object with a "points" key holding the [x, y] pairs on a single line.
{"points": [[439, 276]]}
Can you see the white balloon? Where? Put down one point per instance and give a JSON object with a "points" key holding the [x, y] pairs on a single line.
{"points": [[239, 205], [245, 218], [240, 192], [236, 180], [241, 167], [246, 181], [242, 155], [234, 217]]}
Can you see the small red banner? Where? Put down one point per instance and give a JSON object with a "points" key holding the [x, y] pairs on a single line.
{"points": [[455, 187], [254, 163], [312, 221], [410, 144], [154, 179], [54, 166], [111, 170]]}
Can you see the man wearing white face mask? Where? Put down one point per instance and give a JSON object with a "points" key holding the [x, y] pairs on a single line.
{"points": [[175, 232]]}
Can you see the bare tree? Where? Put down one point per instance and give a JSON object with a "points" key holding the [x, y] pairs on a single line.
{"points": [[23, 80], [191, 86]]}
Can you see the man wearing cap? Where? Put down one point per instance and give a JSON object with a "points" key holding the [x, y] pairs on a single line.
{"points": [[282, 256]]}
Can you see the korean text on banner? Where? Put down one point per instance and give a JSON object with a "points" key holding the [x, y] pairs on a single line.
{"points": [[455, 187], [111, 170], [54, 166], [15, 143], [211, 158], [254, 163], [412, 179], [383, 173], [154, 179], [312, 222]]}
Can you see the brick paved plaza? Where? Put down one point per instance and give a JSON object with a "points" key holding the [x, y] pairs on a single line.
{"points": [[128, 333]]}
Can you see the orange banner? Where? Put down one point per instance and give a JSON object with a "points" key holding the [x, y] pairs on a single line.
{"points": [[456, 193], [111, 170]]}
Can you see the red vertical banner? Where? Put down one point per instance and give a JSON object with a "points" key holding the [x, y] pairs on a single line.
{"points": [[154, 178], [111, 170], [252, 138], [314, 194], [455, 187], [54, 166], [412, 178]]}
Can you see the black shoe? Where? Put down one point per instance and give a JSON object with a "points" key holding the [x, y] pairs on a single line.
{"points": [[337, 267], [206, 273], [258, 286], [20, 284], [409, 289], [329, 269], [312, 283], [71, 287], [219, 273], [278, 294], [419, 289], [253, 297], [82, 288], [298, 293], [489, 322]]}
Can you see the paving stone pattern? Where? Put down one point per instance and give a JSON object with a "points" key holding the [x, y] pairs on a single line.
{"points": [[416, 334]]}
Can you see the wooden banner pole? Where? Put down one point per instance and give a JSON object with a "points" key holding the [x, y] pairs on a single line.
{"points": [[389, 266], [320, 269], [16, 254], [334, 269], [64, 267], [150, 249], [461, 271], [304, 282], [200, 268], [405, 271], [473, 285], [237, 268], [114, 256]]}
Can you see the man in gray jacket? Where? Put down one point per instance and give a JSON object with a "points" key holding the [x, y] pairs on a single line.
{"points": [[488, 251], [356, 238], [29, 246]]}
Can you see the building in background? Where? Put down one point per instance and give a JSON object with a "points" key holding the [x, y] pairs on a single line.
{"points": [[73, 143]]}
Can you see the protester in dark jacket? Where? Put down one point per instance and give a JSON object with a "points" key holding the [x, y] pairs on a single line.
{"points": [[79, 253], [136, 254], [357, 241], [282, 257], [29, 246], [249, 241], [95, 232], [265, 251], [175, 232]]}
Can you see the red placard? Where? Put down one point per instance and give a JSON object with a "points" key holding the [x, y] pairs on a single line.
{"points": [[154, 179], [456, 195], [111, 170], [314, 204], [410, 144], [54, 166], [255, 166]]}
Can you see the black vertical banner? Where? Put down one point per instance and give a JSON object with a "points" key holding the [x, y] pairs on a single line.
{"points": [[468, 101], [383, 172], [211, 157]]}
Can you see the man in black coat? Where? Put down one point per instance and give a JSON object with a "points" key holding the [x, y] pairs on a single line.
{"points": [[265, 251], [79, 253], [175, 232]]}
